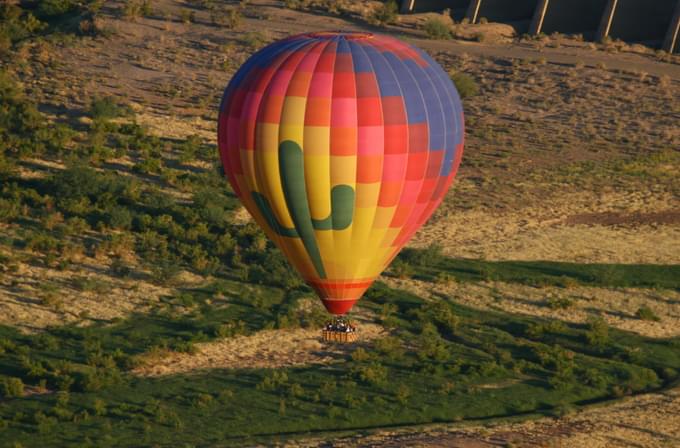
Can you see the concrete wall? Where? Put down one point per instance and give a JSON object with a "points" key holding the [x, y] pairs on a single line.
{"points": [[501, 10], [639, 20], [572, 16], [651, 21]]}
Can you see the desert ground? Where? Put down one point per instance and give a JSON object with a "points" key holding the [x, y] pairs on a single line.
{"points": [[571, 156]]}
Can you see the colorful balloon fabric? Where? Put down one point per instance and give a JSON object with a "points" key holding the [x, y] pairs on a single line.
{"points": [[340, 145]]}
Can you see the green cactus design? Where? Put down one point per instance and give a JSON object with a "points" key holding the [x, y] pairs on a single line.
{"points": [[291, 170]]}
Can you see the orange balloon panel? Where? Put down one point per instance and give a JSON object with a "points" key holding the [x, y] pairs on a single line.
{"points": [[340, 145]]}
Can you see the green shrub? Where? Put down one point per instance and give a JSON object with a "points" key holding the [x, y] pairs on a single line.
{"points": [[465, 84], [430, 345], [646, 313], [402, 394], [390, 346], [102, 109], [12, 387], [597, 334], [540, 330], [385, 13], [595, 378], [9, 210], [437, 28], [99, 407], [230, 17], [56, 7], [134, 8], [44, 423], [373, 373], [273, 381], [254, 40], [230, 329], [560, 303], [119, 218], [402, 269]]}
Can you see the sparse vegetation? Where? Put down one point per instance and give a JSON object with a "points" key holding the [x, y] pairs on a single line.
{"points": [[139, 208], [385, 13], [465, 84], [646, 313], [437, 28]]}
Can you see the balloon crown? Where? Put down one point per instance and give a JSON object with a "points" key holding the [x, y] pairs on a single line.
{"points": [[348, 35]]}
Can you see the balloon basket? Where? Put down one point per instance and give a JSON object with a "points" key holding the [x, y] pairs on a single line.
{"points": [[339, 330]]}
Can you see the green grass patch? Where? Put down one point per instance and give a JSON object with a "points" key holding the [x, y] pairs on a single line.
{"points": [[444, 362]]}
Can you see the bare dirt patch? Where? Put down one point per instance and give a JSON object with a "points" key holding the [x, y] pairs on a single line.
{"points": [[266, 349], [34, 297], [580, 227], [622, 219]]}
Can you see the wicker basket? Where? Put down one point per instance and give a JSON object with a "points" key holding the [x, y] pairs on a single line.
{"points": [[338, 336]]}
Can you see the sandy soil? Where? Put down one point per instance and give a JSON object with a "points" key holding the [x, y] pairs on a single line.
{"points": [[265, 349], [565, 228], [33, 297]]}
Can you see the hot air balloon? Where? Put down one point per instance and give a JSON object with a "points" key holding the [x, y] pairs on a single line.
{"points": [[340, 145]]}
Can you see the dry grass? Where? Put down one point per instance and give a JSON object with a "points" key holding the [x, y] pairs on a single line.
{"points": [[265, 349]]}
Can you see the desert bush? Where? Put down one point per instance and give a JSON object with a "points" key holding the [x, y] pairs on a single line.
{"points": [[9, 210], [402, 394], [164, 270], [595, 378], [430, 345], [540, 330], [11, 387], [189, 148], [81, 182], [133, 9], [230, 329], [16, 24], [149, 165], [646, 313], [373, 373], [402, 269], [44, 423], [254, 40], [597, 334], [273, 381], [441, 313], [444, 278], [385, 13], [105, 108], [120, 268], [390, 346], [560, 303], [360, 355], [202, 400], [437, 28], [187, 16], [229, 17], [465, 84], [119, 218], [56, 7], [24, 132]]}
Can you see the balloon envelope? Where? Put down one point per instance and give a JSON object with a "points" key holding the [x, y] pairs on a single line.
{"points": [[340, 145]]}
